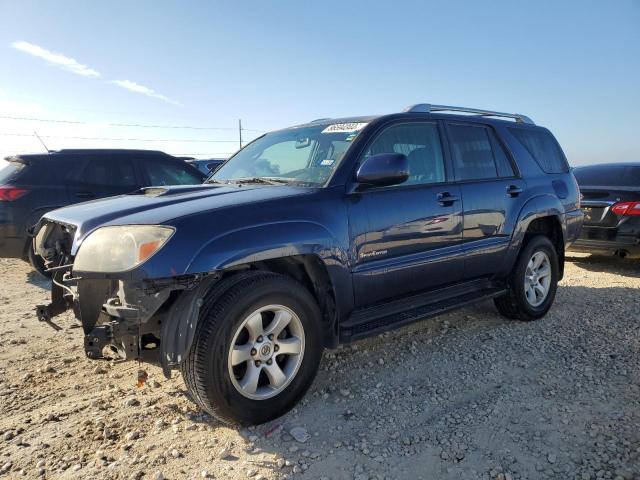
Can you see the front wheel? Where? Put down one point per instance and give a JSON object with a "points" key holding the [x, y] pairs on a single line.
{"points": [[256, 350], [36, 261], [533, 282]]}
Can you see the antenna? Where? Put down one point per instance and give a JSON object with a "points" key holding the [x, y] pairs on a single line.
{"points": [[41, 141]]}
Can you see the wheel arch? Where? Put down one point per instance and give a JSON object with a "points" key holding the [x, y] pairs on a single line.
{"points": [[543, 214]]}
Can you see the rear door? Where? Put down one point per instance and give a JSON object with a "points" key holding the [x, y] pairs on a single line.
{"points": [[102, 176], [491, 195], [407, 237]]}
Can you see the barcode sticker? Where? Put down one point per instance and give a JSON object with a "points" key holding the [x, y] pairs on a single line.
{"points": [[344, 127]]}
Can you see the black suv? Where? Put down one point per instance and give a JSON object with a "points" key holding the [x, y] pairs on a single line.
{"points": [[313, 236], [31, 185]]}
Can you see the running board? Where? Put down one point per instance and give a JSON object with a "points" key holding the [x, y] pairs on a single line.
{"points": [[374, 320]]}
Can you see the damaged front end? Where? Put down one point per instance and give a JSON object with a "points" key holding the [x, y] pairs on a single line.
{"points": [[122, 317]]}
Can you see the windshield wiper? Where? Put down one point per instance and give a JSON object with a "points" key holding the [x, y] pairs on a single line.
{"points": [[266, 180], [213, 180]]}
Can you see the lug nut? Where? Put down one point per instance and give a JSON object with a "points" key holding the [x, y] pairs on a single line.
{"points": [[253, 352], [276, 348], [271, 336], [269, 362], [260, 338], [258, 363]]}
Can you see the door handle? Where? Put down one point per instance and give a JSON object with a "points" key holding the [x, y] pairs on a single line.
{"points": [[446, 199], [514, 190], [85, 195]]}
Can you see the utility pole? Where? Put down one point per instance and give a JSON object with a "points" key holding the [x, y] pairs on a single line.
{"points": [[240, 132]]}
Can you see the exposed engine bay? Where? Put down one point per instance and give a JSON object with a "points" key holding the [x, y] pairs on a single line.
{"points": [[122, 318]]}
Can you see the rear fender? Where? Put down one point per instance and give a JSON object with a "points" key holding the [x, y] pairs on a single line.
{"points": [[536, 207]]}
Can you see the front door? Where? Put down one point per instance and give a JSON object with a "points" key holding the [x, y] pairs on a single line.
{"points": [[406, 238]]}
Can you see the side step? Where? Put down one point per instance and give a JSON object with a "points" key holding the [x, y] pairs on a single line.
{"points": [[374, 320]]}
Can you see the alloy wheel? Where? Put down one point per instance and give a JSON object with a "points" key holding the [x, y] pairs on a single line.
{"points": [[266, 352], [537, 278]]}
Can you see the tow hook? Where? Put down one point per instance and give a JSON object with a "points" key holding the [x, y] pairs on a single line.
{"points": [[96, 340]]}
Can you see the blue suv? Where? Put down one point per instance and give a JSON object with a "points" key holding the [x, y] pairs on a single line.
{"points": [[312, 236]]}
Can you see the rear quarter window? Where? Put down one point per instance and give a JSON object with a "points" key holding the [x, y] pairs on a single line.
{"points": [[9, 170], [543, 147]]}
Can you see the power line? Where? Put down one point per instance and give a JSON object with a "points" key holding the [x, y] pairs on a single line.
{"points": [[188, 140], [138, 125]]}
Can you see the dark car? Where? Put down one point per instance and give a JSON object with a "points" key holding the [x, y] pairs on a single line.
{"points": [[313, 236], [611, 205], [206, 166], [31, 185]]}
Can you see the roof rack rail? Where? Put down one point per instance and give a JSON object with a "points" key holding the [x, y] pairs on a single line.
{"points": [[428, 108]]}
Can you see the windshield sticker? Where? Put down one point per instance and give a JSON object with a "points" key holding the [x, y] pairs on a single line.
{"points": [[351, 137], [327, 162], [344, 127]]}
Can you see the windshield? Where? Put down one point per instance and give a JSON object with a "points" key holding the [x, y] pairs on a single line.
{"points": [[302, 156]]}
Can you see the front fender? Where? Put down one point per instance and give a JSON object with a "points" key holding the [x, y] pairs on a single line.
{"points": [[264, 242], [537, 207], [278, 240], [242, 246]]}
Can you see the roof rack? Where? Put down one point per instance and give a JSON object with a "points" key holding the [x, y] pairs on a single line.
{"points": [[428, 108]]}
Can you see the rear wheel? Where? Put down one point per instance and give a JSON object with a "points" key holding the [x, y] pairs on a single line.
{"points": [[256, 350], [532, 283]]}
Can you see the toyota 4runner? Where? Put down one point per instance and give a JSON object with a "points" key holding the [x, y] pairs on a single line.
{"points": [[310, 237]]}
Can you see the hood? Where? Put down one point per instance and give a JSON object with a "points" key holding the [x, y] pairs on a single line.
{"points": [[160, 205]]}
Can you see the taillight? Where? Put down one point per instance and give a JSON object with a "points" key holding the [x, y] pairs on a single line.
{"points": [[626, 208], [9, 194], [575, 183]]}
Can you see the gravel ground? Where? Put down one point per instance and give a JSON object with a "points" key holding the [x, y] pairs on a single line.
{"points": [[468, 395]]}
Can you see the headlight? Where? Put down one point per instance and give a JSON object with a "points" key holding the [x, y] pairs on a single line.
{"points": [[120, 248]]}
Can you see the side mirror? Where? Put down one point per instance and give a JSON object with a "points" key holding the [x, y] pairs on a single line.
{"points": [[383, 170]]}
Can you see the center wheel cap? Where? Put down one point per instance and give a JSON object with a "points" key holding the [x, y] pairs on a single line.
{"points": [[265, 350]]}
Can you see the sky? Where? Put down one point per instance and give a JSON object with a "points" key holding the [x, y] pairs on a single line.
{"points": [[119, 74]]}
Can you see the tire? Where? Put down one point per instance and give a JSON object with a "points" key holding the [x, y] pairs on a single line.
{"points": [[36, 261], [516, 304], [220, 382]]}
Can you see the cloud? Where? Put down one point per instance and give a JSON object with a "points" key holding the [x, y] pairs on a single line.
{"points": [[57, 59], [73, 66], [137, 88]]}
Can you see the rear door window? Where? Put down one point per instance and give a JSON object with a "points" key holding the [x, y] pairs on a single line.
{"points": [[472, 152], [543, 147], [503, 164], [162, 173], [110, 172]]}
